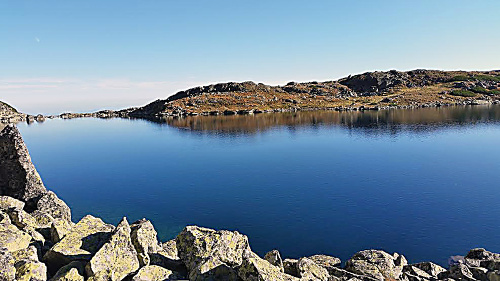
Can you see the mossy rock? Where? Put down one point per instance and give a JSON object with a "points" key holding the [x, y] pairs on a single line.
{"points": [[29, 270]]}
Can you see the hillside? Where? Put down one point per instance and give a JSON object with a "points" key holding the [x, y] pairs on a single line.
{"points": [[371, 90]]}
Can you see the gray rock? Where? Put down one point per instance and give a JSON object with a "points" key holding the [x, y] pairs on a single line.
{"points": [[458, 272], [309, 270], [7, 202], [18, 177], [117, 256], [29, 253], [145, 240], [327, 262], [254, 268], [154, 273], [477, 255], [429, 268], [51, 204], [342, 274], [81, 243], [12, 238], [30, 270], [274, 258], [7, 261], [58, 229], [377, 264], [210, 254]]}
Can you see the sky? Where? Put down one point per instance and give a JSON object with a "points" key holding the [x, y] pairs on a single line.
{"points": [[80, 56]]}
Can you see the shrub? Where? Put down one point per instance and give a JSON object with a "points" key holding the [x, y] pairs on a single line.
{"points": [[463, 93], [460, 78], [482, 77], [480, 90]]}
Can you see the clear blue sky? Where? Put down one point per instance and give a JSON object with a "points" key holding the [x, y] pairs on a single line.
{"points": [[87, 55]]}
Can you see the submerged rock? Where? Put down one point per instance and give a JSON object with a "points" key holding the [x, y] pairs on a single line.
{"points": [[81, 243], [117, 256], [377, 264], [210, 254]]}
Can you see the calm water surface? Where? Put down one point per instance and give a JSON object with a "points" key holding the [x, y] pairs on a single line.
{"points": [[425, 183]]}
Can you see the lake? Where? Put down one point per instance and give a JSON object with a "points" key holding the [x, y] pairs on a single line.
{"points": [[424, 183]]}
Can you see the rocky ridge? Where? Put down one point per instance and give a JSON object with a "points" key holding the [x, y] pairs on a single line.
{"points": [[38, 242], [368, 91]]}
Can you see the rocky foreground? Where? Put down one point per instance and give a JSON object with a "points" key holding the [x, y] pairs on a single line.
{"points": [[39, 241]]}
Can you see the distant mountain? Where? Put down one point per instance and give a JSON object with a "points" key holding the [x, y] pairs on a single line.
{"points": [[370, 90]]}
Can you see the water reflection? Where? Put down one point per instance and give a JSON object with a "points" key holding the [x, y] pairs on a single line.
{"points": [[385, 121]]}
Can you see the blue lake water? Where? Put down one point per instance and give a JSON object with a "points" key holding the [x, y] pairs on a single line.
{"points": [[424, 183]]}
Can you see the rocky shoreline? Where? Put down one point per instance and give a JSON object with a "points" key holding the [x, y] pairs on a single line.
{"points": [[39, 241], [368, 91]]}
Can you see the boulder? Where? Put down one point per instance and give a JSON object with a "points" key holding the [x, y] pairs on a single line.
{"points": [[457, 272], [210, 254], [30, 270], [254, 268], [12, 238], [59, 228], [145, 240], [429, 268], [50, 204], [274, 258], [18, 176], [73, 271], [4, 218], [326, 262], [81, 243], [168, 257], [117, 256], [493, 275], [7, 202], [7, 261], [309, 270], [29, 253], [377, 264], [477, 255], [44, 220], [154, 273], [22, 219], [479, 273]]}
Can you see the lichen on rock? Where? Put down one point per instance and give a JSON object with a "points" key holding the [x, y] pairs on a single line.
{"points": [[117, 256]]}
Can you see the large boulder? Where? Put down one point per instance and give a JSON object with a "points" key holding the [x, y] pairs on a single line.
{"points": [[18, 176], [424, 269], [168, 257], [117, 256], [81, 243], [210, 254], [50, 204], [457, 272], [145, 240], [29, 253], [377, 264]]}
